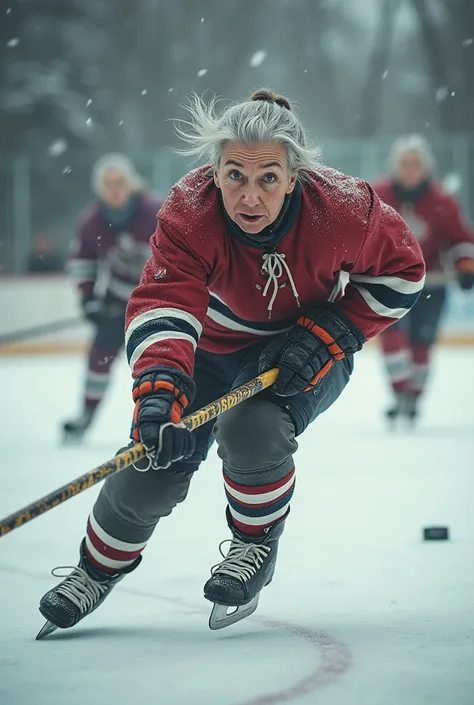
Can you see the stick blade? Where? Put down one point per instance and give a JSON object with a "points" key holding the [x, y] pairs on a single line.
{"points": [[221, 617], [47, 629]]}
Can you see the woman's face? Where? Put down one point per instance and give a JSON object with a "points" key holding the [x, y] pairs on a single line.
{"points": [[254, 180], [115, 189], [410, 169]]}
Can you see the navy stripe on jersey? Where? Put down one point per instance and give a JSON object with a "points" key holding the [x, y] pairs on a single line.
{"points": [[219, 312], [391, 299], [387, 296], [158, 325]]}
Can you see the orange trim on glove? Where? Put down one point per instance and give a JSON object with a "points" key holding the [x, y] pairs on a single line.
{"points": [[334, 349], [465, 265], [322, 373]]}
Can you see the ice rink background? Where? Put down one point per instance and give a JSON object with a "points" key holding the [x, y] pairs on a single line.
{"points": [[360, 611]]}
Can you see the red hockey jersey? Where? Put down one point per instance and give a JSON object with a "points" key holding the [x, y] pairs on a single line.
{"points": [[437, 223], [203, 286], [114, 255]]}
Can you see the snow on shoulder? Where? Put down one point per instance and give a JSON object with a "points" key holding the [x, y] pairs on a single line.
{"points": [[189, 201]]}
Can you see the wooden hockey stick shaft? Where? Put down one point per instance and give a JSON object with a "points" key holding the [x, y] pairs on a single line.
{"points": [[131, 455]]}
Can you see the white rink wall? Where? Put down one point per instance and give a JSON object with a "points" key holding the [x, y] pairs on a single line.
{"points": [[35, 300]]}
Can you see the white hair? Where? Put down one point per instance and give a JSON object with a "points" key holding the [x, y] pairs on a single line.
{"points": [[115, 161], [412, 143], [265, 117]]}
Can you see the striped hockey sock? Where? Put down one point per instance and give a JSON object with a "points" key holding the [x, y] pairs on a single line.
{"points": [[254, 508], [107, 553]]}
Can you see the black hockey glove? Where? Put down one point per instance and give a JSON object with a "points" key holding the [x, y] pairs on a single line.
{"points": [[161, 394], [92, 309], [308, 350], [466, 280]]}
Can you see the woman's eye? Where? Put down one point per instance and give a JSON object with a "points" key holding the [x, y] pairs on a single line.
{"points": [[269, 178], [235, 175]]}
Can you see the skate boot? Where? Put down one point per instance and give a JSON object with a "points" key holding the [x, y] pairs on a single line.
{"points": [[411, 407], [405, 408], [74, 430], [397, 409], [235, 583], [82, 591]]}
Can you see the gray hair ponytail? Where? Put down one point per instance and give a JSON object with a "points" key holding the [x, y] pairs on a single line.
{"points": [[265, 117]]}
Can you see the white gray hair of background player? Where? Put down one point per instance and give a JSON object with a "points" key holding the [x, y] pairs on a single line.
{"points": [[418, 146], [114, 179]]}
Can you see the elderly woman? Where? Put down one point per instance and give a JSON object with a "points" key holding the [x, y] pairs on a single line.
{"points": [[112, 240], [262, 258], [446, 241]]}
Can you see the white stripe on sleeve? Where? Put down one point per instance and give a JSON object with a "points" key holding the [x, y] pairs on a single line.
{"points": [[157, 313]]}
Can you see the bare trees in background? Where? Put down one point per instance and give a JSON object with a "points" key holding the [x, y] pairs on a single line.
{"points": [[82, 77]]}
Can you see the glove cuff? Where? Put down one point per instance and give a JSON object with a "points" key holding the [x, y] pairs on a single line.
{"points": [[166, 379]]}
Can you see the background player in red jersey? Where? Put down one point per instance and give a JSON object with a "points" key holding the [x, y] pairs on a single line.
{"points": [[262, 258], [447, 243], [110, 251]]}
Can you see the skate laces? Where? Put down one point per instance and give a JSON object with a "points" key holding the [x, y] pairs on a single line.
{"points": [[243, 559], [78, 587]]}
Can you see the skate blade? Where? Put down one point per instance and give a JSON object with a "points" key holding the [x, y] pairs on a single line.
{"points": [[223, 616], [47, 629]]}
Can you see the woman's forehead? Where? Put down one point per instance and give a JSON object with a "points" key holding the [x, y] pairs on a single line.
{"points": [[259, 154]]}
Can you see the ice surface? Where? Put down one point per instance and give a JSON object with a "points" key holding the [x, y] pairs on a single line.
{"points": [[361, 611]]}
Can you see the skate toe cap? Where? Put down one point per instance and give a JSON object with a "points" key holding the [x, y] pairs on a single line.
{"points": [[225, 590], [58, 610]]}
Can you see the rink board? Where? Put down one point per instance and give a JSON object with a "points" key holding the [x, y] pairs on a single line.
{"points": [[33, 301]]}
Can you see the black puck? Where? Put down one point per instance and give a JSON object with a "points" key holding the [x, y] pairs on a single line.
{"points": [[436, 533]]}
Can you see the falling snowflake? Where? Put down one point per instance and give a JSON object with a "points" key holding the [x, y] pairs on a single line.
{"points": [[144, 91], [453, 93], [467, 42], [170, 90], [441, 94], [202, 72], [202, 19], [13, 42], [89, 103], [385, 74], [305, 71], [57, 147], [89, 122], [257, 58], [120, 123], [67, 170], [8, 10], [428, 296]]}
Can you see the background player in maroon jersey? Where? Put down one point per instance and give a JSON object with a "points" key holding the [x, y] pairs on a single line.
{"points": [[261, 258], [447, 244], [110, 251]]}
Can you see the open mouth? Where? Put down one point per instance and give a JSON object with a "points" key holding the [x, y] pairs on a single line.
{"points": [[250, 218]]}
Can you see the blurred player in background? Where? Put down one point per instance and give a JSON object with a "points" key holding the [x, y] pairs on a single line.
{"points": [[110, 251], [447, 243]]}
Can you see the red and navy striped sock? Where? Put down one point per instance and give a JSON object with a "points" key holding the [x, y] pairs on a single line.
{"points": [[254, 508], [107, 553]]}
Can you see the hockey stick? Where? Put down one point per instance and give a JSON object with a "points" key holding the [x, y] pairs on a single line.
{"points": [[18, 335], [439, 278], [136, 452]]}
